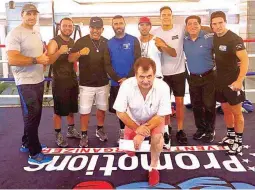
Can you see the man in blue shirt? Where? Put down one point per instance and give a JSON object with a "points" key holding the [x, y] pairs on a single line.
{"points": [[123, 50], [198, 47]]}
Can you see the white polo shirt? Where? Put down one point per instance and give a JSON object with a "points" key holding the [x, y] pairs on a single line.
{"points": [[130, 100]]}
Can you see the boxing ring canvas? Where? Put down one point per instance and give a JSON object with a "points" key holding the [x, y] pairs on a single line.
{"points": [[103, 165]]}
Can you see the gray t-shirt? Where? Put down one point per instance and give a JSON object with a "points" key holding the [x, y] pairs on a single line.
{"points": [[28, 43]]}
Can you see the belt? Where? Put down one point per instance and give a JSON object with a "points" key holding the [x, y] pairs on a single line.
{"points": [[203, 74]]}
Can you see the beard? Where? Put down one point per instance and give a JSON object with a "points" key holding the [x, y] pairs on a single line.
{"points": [[66, 35], [119, 31]]}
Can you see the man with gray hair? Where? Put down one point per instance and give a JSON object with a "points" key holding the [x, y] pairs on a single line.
{"points": [[25, 55]]}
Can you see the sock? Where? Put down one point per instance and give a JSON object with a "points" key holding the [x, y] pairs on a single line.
{"points": [[83, 133], [239, 138], [166, 129], [231, 133], [99, 127], [58, 130]]}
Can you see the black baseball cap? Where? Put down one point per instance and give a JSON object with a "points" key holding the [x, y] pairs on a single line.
{"points": [[96, 22]]}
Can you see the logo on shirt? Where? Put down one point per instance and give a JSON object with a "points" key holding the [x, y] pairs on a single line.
{"points": [[126, 46], [175, 37], [223, 48], [239, 46]]}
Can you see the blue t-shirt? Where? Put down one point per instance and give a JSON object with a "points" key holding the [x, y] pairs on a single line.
{"points": [[122, 55], [199, 53]]}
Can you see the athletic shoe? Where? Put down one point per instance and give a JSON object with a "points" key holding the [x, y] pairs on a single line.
{"points": [[61, 142], [39, 158], [181, 137], [121, 135], [153, 178], [84, 142], [167, 141], [235, 149], [73, 133], [209, 137], [101, 134], [25, 149], [227, 141], [199, 134]]}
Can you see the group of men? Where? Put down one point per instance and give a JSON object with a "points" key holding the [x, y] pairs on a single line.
{"points": [[143, 71]]}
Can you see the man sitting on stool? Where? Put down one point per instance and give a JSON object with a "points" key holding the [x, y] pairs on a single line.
{"points": [[142, 104]]}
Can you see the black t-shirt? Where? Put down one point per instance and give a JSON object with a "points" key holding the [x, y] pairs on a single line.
{"points": [[91, 67], [225, 48], [62, 69]]}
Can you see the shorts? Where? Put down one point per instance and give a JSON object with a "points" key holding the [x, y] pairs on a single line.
{"points": [[113, 95], [87, 95], [65, 96], [226, 94], [129, 134], [176, 83]]}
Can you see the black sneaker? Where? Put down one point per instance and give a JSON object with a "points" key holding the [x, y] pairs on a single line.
{"points": [[208, 137], [167, 141], [199, 134], [181, 137]]}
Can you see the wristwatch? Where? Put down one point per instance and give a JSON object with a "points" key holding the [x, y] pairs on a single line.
{"points": [[34, 61]]}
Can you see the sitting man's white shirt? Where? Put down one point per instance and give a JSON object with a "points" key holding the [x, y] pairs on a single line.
{"points": [[130, 100]]}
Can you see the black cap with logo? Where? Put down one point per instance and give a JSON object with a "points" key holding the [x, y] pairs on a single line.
{"points": [[96, 22]]}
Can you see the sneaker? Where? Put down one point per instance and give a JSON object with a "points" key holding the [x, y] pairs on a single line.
{"points": [[199, 134], [73, 133], [153, 178], [39, 158], [25, 149], [84, 142], [209, 137], [181, 137], [101, 134], [121, 135], [61, 142], [235, 149], [167, 141], [227, 141]]}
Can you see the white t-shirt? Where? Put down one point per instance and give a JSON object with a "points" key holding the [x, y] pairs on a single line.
{"points": [[173, 38], [150, 50], [28, 43], [130, 100]]}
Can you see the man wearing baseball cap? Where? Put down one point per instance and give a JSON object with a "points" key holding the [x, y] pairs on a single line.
{"points": [[151, 46], [94, 83], [28, 8], [25, 55]]}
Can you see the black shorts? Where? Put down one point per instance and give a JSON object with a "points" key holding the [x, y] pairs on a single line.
{"points": [[65, 96], [176, 83], [226, 94], [113, 95]]}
